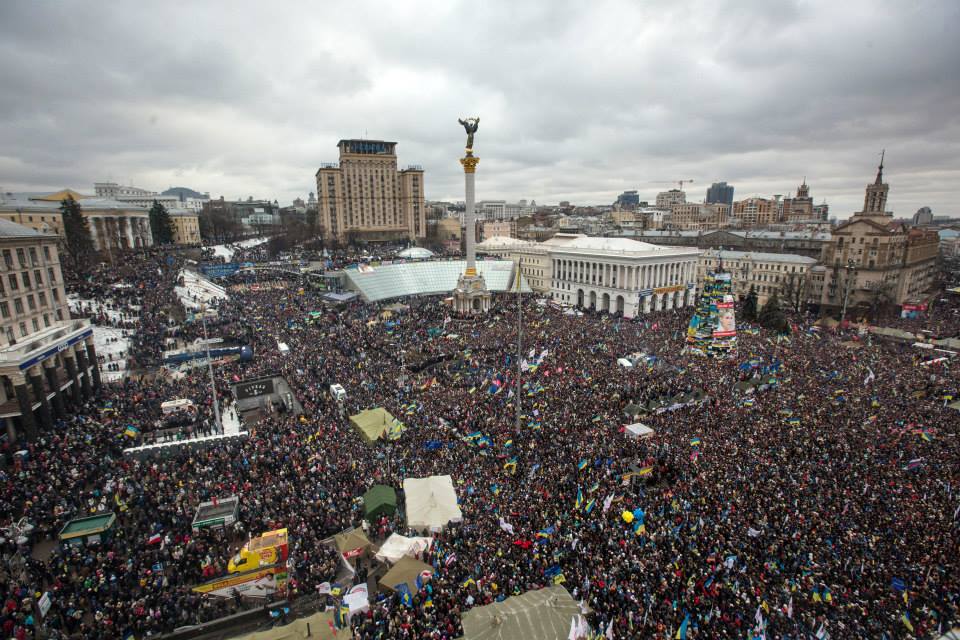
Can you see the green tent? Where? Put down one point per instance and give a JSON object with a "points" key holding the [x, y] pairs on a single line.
{"points": [[372, 423], [379, 500]]}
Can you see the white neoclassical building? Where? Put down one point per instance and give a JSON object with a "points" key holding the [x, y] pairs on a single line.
{"points": [[617, 275]]}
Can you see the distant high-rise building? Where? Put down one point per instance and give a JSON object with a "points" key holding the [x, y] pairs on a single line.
{"points": [[367, 197], [923, 216], [720, 193], [628, 200], [666, 199], [800, 207], [821, 212]]}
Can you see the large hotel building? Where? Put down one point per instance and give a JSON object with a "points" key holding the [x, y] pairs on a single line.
{"points": [[48, 361], [365, 197]]}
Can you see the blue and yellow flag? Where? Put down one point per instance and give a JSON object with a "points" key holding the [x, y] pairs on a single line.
{"points": [[583, 464], [905, 618]]}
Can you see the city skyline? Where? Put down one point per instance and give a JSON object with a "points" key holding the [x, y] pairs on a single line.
{"points": [[568, 112]]}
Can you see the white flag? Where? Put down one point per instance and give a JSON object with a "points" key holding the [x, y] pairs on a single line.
{"points": [[506, 526], [870, 377], [753, 533], [607, 502], [790, 608]]}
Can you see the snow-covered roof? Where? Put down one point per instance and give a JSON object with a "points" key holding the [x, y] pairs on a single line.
{"points": [[500, 243], [416, 253], [619, 245]]}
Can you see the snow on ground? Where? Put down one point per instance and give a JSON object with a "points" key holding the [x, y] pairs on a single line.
{"points": [[231, 421], [109, 343], [197, 291], [226, 251], [89, 307]]}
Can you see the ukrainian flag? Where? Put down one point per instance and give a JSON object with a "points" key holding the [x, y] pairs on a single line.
{"points": [[905, 618], [579, 502], [793, 421], [645, 471], [583, 464], [590, 505], [511, 464], [695, 442], [131, 431]]}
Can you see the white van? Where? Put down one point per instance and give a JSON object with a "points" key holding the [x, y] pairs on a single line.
{"points": [[173, 406]]}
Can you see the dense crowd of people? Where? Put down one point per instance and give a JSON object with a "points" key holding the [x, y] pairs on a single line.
{"points": [[824, 501]]}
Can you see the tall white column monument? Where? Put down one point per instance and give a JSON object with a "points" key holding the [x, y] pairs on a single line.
{"points": [[471, 295]]}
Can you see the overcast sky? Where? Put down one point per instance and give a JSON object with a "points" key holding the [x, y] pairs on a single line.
{"points": [[578, 100]]}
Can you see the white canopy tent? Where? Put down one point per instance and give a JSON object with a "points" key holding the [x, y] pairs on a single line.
{"points": [[398, 546], [638, 431], [431, 503]]}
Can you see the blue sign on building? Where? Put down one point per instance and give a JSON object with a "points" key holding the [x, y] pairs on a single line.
{"points": [[54, 350], [220, 270]]}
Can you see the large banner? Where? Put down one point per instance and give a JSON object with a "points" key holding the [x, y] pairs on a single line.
{"points": [[253, 389], [220, 270]]}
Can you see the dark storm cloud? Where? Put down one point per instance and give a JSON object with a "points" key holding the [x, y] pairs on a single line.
{"points": [[578, 100]]}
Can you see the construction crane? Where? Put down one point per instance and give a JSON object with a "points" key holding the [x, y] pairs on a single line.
{"points": [[679, 182]]}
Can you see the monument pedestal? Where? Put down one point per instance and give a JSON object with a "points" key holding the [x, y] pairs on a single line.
{"points": [[471, 295]]}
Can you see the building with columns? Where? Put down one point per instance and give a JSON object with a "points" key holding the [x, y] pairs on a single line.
{"points": [[48, 361], [619, 275], [616, 275], [113, 225]]}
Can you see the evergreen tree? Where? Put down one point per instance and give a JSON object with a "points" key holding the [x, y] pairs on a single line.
{"points": [[160, 224], [773, 317], [77, 240], [749, 311]]}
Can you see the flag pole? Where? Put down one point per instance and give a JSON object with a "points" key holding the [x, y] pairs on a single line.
{"points": [[519, 337]]}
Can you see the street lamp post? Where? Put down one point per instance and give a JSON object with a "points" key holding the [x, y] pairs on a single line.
{"points": [[519, 337], [213, 382], [851, 266]]}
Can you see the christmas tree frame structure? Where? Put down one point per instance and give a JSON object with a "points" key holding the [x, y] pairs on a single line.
{"points": [[713, 328]]}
